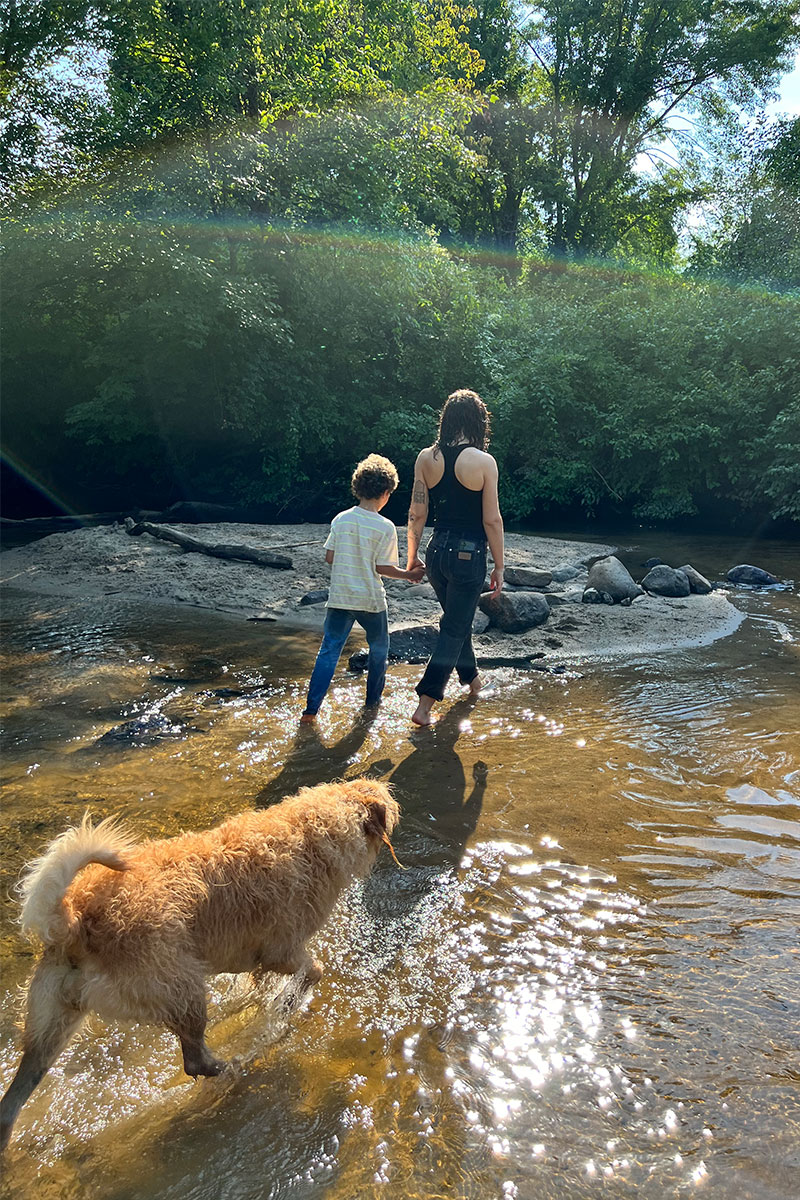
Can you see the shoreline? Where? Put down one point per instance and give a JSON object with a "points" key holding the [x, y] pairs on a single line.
{"points": [[104, 561]]}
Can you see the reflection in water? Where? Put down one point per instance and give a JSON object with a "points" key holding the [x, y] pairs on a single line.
{"points": [[586, 980]]}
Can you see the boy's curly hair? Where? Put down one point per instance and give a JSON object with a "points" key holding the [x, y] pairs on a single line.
{"points": [[373, 476]]}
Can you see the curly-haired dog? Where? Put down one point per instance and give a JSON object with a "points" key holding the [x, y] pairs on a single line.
{"points": [[131, 930]]}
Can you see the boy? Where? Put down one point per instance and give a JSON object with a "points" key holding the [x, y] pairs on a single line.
{"points": [[361, 546]]}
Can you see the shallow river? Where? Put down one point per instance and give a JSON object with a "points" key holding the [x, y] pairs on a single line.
{"points": [[586, 983]]}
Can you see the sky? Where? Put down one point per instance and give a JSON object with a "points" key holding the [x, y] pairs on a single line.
{"points": [[789, 99]]}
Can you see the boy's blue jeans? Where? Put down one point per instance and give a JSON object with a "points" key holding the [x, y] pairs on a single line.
{"points": [[338, 623]]}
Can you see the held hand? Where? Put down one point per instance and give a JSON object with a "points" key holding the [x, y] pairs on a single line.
{"points": [[416, 572], [496, 581]]}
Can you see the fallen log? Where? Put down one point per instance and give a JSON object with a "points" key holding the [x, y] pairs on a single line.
{"points": [[264, 558]]}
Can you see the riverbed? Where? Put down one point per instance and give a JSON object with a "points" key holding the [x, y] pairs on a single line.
{"points": [[585, 983]]}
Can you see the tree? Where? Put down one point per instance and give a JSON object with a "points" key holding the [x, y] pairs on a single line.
{"points": [[37, 100], [600, 80], [751, 231]]}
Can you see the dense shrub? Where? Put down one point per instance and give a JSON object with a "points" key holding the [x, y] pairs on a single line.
{"points": [[250, 365]]}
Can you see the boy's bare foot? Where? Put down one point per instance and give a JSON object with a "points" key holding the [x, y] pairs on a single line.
{"points": [[423, 715], [308, 718], [476, 686]]}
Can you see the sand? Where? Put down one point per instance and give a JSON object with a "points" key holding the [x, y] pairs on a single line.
{"points": [[105, 560]]}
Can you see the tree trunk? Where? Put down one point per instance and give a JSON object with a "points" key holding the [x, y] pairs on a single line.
{"points": [[264, 558]]}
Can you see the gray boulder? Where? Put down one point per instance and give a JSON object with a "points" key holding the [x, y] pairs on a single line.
{"points": [[697, 582], [609, 576], [414, 644], [480, 622], [514, 612], [653, 562], [666, 581], [317, 597], [754, 576], [527, 577], [421, 591], [591, 596], [566, 571]]}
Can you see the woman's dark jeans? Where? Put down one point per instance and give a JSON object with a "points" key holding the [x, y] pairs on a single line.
{"points": [[456, 566]]}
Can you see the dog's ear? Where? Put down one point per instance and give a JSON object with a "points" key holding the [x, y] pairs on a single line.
{"points": [[376, 819]]}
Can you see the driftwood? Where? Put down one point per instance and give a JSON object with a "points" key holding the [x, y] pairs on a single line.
{"points": [[264, 558]]}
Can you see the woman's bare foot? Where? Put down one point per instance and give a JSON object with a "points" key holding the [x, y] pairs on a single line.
{"points": [[423, 715]]}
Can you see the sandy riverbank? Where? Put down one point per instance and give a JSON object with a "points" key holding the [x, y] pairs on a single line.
{"points": [[105, 561]]}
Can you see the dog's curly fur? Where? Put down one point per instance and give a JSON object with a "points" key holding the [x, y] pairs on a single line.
{"points": [[130, 930]]}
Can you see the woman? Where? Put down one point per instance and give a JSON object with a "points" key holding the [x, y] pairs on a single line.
{"points": [[460, 478]]}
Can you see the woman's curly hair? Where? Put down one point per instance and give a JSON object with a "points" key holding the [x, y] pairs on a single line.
{"points": [[373, 476], [464, 416]]}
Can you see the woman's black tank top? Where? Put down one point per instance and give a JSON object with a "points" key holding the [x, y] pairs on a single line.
{"points": [[455, 506]]}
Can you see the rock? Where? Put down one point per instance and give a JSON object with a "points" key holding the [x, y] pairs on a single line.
{"points": [[565, 571], [421, 591], [358, 660], [514, 612], [653, 562], [609, 577], [480, 622], [591, 596], [527, 577], [697, 582], [198, 670], [143, 731], [753, 576], [589, 560], [414, 644], [554, 599], [666, 581], [571, 595], [317, 597]]}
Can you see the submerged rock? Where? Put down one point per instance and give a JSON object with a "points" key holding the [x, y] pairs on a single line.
{"points": [[666, 581], [754, 576], [198, 670], [143, 731]]}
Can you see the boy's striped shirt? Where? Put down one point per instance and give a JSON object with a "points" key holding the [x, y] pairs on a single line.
{"points": [[360, 540]]}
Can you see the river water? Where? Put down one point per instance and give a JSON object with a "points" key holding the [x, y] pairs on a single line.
{"points": [[585, 983]]}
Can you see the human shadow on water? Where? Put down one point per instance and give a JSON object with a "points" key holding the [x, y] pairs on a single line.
{"points": [[439, 812], [310, 761]]}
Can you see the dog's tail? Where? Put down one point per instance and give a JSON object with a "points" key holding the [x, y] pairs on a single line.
{"points": [[47, 878]]}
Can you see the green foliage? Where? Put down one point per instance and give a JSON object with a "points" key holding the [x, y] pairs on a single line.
{"points": [[249, 364], [237, 239]]}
